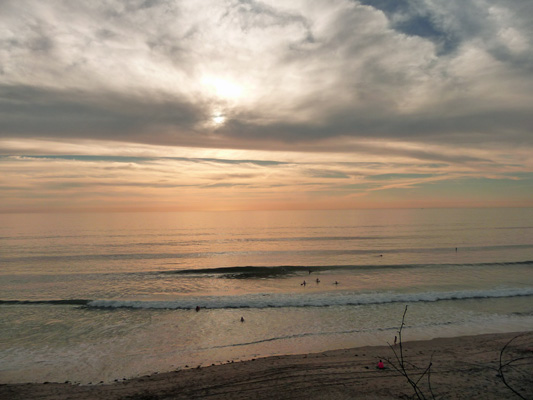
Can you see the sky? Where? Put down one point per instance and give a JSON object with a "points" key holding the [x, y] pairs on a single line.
{"points": [[174, 105]]}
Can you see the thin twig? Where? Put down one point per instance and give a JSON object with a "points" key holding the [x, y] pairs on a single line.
{"points": [[401, 365]]}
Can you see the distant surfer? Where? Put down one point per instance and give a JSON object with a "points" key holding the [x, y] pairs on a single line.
{"points": [[317, 281], [456, 249], [336, 283], [303, 283], [197, 308], [242, 319]]}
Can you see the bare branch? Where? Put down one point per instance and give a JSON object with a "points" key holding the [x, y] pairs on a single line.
{"points": [[401, 365], [501, 367]]}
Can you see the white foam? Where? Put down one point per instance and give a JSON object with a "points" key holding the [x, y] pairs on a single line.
{"points": [[309, 300]]}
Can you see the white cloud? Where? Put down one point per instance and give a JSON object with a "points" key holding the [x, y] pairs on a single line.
{"points": [[304, 64]]}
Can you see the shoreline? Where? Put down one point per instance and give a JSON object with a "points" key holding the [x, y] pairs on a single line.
{"points": [[463, 367]]}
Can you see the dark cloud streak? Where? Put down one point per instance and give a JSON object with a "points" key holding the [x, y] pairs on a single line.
{"points": [[29, 111]]}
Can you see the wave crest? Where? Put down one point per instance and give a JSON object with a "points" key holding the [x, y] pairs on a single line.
{"points": [[314, 300]]}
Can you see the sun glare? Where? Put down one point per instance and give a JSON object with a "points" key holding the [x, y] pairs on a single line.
{"points": [[218, 119], [223, 89]]}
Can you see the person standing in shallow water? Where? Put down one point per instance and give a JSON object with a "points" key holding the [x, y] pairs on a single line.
{"points": [[242, 319], [380, 365]]}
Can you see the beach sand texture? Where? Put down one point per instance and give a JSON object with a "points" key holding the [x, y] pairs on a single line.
{"points": [[462, 368]]}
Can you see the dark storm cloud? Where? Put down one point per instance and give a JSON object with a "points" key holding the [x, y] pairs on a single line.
{"points": [[28, 111], [487, 129]]}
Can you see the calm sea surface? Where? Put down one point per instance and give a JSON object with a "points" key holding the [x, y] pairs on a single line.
{"points": [[99, 297]]}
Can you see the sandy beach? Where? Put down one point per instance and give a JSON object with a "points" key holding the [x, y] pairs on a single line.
{"points": [[462, 368]]}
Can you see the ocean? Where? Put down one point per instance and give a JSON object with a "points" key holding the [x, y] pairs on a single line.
{"points": [[101, 297]]}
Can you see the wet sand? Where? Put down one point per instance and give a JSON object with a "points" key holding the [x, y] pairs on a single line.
{"points": [[462, 368]]}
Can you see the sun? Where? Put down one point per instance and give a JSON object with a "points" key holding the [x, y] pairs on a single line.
{"points": [[222, 88], [218, 119], [224, 95]]}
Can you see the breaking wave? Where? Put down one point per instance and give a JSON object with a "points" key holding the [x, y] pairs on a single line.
{"points": [[281, 300], [308, 300], [278, 271]]}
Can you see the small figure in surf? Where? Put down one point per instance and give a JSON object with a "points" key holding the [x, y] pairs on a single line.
{"points": [[303, 283], [242, 319], [380, 365], [197, 308], [336, 283], [395, 340], [317, 281]]}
